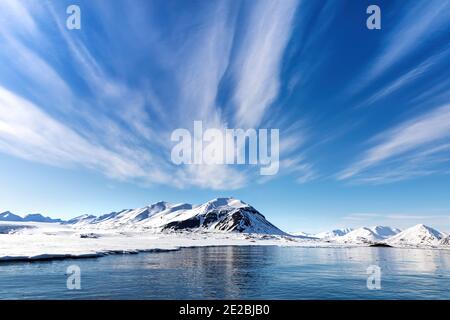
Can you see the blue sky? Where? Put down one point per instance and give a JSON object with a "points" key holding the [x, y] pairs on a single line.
{"points": [[364, 115]]}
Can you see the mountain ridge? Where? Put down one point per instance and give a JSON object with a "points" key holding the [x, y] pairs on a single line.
{"points": [[218, 215], [232, 215], [419, 234], [33, 217]]}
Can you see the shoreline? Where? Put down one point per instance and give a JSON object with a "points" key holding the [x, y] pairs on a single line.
{"points": [[67, 256], [47, 242]]}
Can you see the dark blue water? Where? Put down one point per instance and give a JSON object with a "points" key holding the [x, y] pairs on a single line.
{"points": [[238, 273]]}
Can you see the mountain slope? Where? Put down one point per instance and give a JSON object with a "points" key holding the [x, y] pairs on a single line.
{"points": [[36, 217], [333, 233], [445, 241], [301, 234], [368, 235], [384, 232], [218, 215], [8, 216], [81, 220], [418, 235]]}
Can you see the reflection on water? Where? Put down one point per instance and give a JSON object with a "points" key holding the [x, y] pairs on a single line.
{"points": [[238, 273]]}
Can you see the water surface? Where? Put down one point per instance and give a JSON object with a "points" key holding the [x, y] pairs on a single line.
{"points": [[237, 272]]}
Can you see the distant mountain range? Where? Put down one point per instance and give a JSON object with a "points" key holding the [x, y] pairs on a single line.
{"points": [[333, 233], [221, 214], [375, 233], [417, 235], [368, 234], [35, 217], [232, 215]]}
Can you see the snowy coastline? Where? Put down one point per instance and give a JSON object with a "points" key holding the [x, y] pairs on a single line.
{"points": [[43, 241], [166, 226], [31, 241]]}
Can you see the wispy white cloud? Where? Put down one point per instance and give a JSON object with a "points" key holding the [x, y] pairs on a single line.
{"points": [[16, 13], [29, 133], [258, 63], [415, 217], [123, 129], [361, 216], [37, 73], [300, 168], [419, 135], [419, 19], [409, 77]]}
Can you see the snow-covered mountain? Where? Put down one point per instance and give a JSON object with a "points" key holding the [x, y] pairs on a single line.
{"points": [[333, 233], [301, 234], [222, 214], [368, 234], [35, 217], [80, 220], [385, 232], [8, 216], [232, 215], [445, 241], [418, 235]]}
